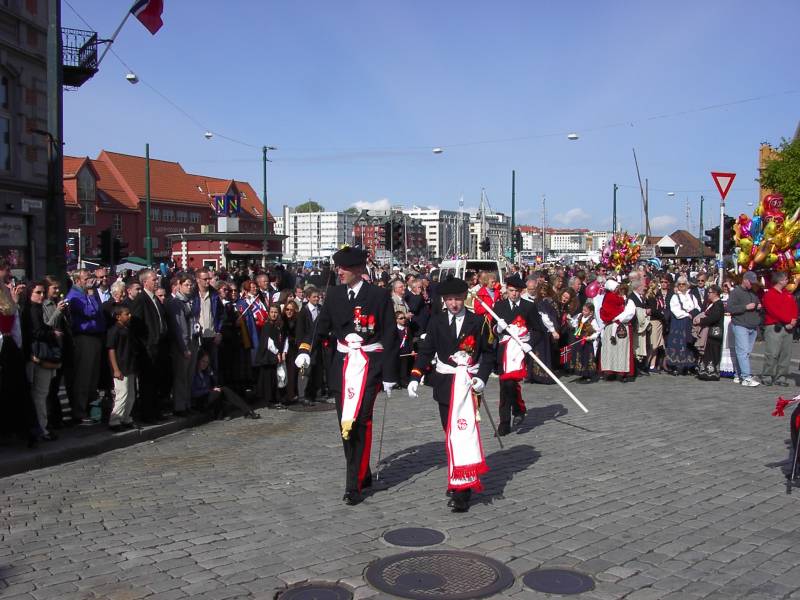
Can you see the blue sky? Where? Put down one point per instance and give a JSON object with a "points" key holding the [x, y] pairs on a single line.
{"points": [[356, 94]]}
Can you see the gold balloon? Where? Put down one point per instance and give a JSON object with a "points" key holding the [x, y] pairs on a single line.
{"points": [[791, 287], [770, 229], [771, 259], [744, 258], [745, 244]]}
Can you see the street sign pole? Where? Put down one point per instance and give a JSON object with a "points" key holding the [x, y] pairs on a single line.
{"points": [[723, 181]]}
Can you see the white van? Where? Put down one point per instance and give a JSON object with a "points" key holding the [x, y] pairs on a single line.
{"points": [[457, 268]]}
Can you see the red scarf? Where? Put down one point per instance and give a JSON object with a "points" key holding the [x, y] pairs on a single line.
{"points": [[612, 306]]}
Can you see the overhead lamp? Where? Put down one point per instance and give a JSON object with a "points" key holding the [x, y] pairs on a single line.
{"points": [[132, 78], [670, 194], [437, 150], [572, 136], [208, 135]]}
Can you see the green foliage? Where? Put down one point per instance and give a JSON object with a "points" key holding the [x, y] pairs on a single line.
{"points": [[353, 211], [309, 207], [782, 174]]}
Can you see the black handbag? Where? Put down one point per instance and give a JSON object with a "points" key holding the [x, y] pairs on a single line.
{"points": [[715, 332], [622, 331], [46, 355]]}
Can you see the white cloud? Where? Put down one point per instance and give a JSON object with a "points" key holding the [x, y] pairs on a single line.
{"points": [[663, 224], [382, 204], [572, 217]]}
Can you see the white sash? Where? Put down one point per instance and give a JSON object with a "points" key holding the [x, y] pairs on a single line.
{"points": [[513, 354], [465, 460], [354, 377]]}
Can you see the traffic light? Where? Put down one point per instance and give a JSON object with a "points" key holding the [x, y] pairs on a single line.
{"points": [[728, 244], [397, 236], [105, 246], [72, 248], [119, 247], [485, 245], [518, 240], [712, 238], [387, 235]]}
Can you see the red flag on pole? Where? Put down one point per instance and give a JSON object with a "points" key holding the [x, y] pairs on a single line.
{"points": [[149, 14]]}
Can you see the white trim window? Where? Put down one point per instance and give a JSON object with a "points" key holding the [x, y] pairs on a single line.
{"points": [[87, 197]]}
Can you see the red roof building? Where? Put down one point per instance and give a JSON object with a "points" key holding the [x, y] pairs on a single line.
{"points": [[109, 191]]}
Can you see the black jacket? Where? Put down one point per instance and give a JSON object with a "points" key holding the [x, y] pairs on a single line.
{"points": [[440, 342], [145, 325]]}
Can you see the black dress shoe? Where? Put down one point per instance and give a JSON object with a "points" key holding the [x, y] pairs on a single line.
{"points": [[352, 498], [252, 415], [503, 429], [459, 503], [366, 482], [518, 419]]}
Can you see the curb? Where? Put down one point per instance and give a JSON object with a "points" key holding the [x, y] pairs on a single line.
{"points": [[76, 449]]}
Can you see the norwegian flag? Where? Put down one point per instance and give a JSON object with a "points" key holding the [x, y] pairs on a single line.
{"points": [[149, 14], [260, 313]]}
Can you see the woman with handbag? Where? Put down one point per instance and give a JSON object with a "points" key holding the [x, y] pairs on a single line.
{"points": [[271, 351], [683, 308], [711, 321], [44, 359]]}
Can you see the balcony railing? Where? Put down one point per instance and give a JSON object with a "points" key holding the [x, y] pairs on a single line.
{"points": [[78, 56]]}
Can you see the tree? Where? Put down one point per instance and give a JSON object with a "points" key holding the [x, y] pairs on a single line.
{"points": [[309, 207], [353, 211], [782, 174]]}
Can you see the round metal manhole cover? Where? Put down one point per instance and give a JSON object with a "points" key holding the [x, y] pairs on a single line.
{"points": [[413, 537], [558, 581], [315, 591], [318, 407], [427, 574]]}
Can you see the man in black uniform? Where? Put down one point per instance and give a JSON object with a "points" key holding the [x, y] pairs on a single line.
{"points": [[523, 318], [464, 359], [360, 319]]}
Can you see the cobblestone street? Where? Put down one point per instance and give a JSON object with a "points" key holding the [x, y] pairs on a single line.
{"points": [[668, 488]]}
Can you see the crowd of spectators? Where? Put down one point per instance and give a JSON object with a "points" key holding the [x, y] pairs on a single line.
{"points": [[136, 348]]}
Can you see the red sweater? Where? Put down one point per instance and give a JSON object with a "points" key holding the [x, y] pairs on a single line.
{"points": [[779, 307]]}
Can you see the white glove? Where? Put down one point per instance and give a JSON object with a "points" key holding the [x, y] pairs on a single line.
{"points": [[412, 389], [387, 387], [477, 385], [501, 325], [526, 347], [303, 361]]}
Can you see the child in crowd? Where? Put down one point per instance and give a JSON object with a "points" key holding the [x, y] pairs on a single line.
{"points": [[584, 352], [271, 352], [123, 356]]}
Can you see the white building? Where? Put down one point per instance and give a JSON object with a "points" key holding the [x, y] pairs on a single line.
{"points": [[314, 234], [567, 242], [497, 231], [597, 239], [446, 231]]}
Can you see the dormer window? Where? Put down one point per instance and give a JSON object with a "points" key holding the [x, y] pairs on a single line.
{"points": [[87, 196]]}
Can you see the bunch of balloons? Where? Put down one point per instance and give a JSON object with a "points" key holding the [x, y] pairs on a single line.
{"points": [[770, 240], [620, 250]]}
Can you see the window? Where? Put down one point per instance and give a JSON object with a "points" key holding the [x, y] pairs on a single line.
{"points": [[155, 214], [194, 217], [87, 197], [117, 223], [5, 126], [154, 240], [168, 215], [181, 216]]}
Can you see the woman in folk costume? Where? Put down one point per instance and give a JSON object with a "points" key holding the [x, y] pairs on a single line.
{"points": [[683, 308], [252, 316], [489, 292], [459, 340], [520, 317], [656, 299], [543, 341], [711, 321], [583, 361], [616, 350], [360, 320], [568, 311]]}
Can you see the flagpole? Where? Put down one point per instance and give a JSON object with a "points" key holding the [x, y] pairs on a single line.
{"points": [[115, 34]]}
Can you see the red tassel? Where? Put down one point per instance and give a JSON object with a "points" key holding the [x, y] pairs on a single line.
{"points": [[469, 471], [780, 405]]}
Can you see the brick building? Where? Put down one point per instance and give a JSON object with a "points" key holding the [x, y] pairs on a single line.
{"points": [[109, 191]]}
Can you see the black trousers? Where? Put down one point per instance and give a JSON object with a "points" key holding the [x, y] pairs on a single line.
{"points": [[152, 377], [219, 402], [88, 349], [511, 401], [358, 446]]}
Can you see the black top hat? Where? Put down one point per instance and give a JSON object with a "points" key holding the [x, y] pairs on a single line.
{"points": [[516, 282], [350, 257], [452, 287]]}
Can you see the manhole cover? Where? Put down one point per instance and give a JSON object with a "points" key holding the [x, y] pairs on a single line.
{"points": [[558, 581], [448, 574], [413, 537], [319, 407], [315, 591]]}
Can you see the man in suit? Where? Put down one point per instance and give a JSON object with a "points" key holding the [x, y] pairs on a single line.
{"points": [[523, 318], [150, 326], [306, 321], [360, 319], [699, 291], [459, 339]]}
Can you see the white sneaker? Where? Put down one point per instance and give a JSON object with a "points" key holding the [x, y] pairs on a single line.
{"points": [[736, 379], [750, 382]]}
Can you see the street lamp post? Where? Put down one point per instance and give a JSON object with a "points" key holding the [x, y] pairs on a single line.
{"points": [[265, 160]]}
